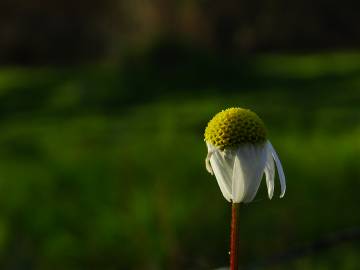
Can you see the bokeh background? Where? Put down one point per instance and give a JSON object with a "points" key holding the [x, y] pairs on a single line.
{"points": [[103, 105]]}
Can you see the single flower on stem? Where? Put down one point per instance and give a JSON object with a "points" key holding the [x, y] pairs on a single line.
{"points": [[239, 154]]}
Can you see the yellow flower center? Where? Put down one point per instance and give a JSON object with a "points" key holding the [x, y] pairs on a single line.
{"points": [[233, 127]]}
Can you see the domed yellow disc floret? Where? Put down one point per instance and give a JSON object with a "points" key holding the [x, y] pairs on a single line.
{"points": [[233, 127]]}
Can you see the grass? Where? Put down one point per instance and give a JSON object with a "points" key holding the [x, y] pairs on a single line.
{"points": [[103, 168]]}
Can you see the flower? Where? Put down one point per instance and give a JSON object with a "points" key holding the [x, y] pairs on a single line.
{"points": [[239, 154]]}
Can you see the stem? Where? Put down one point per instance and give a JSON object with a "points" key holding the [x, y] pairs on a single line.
{"points": [[234, 240]]}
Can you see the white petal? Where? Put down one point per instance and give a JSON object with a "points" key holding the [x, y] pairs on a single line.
{"points": [[222, 166], [269, 171], [280, 170], [248, 170], [207, 159], [238, 182]]}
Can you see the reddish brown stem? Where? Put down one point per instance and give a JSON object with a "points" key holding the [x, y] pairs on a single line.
{"points": [[234, 240]]}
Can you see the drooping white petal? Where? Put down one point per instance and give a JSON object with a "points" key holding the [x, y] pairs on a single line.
{"points": [[269, 171], [238, 182], [222, 164], [279, 169], [211, 150], [248, 170]]}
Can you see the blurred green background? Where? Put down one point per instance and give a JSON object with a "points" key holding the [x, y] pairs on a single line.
{"points": [[103, 106]]}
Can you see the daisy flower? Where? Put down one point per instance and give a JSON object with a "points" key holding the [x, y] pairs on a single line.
{"points": [[239, 154]]}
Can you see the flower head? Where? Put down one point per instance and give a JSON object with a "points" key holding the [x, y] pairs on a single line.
{"points": [[239, 154]]}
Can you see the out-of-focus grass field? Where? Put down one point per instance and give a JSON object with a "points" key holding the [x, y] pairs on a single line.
{"points": [[103, 168]]}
